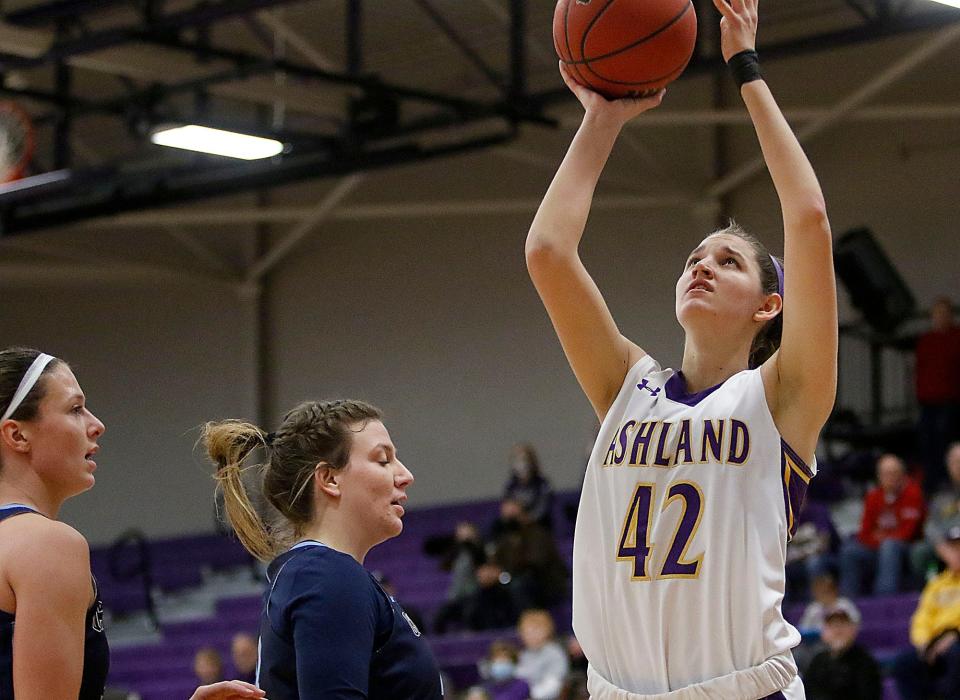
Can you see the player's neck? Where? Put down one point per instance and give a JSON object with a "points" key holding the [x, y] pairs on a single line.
{"points": [[710, 361], [17, 488], [330, 533]]}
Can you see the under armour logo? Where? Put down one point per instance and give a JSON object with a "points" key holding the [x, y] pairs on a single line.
{"points": [[583, 2], [644, 385]]}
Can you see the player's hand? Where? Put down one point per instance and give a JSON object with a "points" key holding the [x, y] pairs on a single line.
{"points": [[738, 27], [227, 690], [613, 113]]}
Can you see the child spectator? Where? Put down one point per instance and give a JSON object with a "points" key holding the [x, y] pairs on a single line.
{"points": [[543, 662], [892, 516], [845, 670], [243, 651], [208, 666], [500, 671]]}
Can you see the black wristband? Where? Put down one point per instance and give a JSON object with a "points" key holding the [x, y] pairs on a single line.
{"points": [[745, 67]]}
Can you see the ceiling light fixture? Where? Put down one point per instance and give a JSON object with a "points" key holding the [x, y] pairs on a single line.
{"points": [[216, 141]]}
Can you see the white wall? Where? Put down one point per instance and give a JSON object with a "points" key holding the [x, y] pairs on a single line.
{"points": [[434, 318]]}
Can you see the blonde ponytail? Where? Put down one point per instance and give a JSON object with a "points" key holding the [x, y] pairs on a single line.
{"points": [[228, 444]]}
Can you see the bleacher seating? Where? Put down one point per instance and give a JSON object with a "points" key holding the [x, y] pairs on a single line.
{"points": [[164, 671]]}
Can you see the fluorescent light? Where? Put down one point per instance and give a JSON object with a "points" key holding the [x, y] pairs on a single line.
{"points": [[952, 3], [217, 142]]}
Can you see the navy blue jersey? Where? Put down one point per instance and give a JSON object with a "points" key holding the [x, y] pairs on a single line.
{"points": [[96, 653], [329, 631]]}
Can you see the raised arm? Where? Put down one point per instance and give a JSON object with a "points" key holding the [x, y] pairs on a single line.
{"points": [[597, 352], [802, 376]]}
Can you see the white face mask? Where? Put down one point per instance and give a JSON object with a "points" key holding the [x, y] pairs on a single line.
{"points": [[501, 670]]}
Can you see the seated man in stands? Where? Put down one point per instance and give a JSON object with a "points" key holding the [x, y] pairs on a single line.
{"points": [[944, 511], [892, 518], [243, 651], [932, 666], [844, 670]]}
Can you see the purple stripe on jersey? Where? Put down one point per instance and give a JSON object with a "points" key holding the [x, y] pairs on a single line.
{"points": [[796, 458], [676, 390], [776, 696], [794, 489]]}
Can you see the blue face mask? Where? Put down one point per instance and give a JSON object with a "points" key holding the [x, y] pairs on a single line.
{"points": [[501, 670]]}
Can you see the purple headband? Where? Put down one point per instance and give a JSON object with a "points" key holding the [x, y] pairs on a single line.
{"points": [[779, 268]]}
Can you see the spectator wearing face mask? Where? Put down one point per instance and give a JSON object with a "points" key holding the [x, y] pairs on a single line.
{"points": [[500, 671], [528, 486]]}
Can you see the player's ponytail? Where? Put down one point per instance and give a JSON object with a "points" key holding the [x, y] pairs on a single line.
{"points": [[228, 444], [314, 434]]}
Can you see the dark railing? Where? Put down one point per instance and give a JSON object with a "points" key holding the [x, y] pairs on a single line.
{"points": [[129, 558]]}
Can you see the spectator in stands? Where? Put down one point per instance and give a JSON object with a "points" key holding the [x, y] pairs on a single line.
{"points": [[932, 665], [845, 670], [500, 671], [243, 651], [944, 511], [938, 390], [528, 486], [826, 598], [892, 517], [208, 665], [543, 662], [578, 662], [527, 551], [494, 604], [462, 560], [812, 550]]}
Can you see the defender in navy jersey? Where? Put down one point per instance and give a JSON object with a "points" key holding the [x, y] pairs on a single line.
{"points": [[52, 640], [692, 488], [328, 630], [50, 615]]}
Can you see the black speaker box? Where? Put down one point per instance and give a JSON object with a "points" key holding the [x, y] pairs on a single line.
{"points": [[874, 286]]}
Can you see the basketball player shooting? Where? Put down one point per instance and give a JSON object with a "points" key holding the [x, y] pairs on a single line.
{"points": [[694, 484]]}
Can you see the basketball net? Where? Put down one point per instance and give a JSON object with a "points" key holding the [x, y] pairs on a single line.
{"points": [[17, 141]]}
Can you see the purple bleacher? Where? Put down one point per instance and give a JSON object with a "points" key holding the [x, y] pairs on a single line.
{"points": [[163, 671]]}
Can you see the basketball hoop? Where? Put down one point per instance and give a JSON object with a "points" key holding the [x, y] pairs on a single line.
{"points": [[17, 141]]}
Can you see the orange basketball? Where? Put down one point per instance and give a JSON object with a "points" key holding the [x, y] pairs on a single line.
{"points": [[625, 48]]}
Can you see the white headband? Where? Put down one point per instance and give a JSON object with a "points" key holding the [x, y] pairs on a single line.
{"points": [[27, 383]]}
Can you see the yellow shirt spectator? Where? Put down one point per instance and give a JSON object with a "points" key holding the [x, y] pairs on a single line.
{"points": [[938, 611]]}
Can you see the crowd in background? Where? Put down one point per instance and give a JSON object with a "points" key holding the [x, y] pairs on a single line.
{"points": [[509, 574]]}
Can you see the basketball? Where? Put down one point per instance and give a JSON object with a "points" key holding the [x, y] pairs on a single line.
{"points": [[623, 48]]}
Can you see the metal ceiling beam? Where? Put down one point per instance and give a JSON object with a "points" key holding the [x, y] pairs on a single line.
{"points": [[475, 59], [52, 12], [844, 107], [870, 31], [199, 16], [84, 194]]}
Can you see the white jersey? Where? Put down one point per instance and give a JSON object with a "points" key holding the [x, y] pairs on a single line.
{"points": [[681, 537]]}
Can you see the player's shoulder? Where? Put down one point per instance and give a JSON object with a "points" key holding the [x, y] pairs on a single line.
{"points": [[323, 568], [43, 537], [50, 555]]}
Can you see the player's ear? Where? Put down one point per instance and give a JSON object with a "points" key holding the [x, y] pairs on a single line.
{"points": [[771, 306], [13, 437], [327, 479]]}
